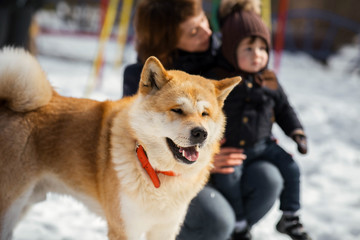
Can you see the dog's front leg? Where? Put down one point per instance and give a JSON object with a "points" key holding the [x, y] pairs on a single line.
{"points": [[116, 234], [120, 232], [163, 232]]}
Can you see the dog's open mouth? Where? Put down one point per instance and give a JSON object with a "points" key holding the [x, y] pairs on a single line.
{"points": [[186, 155]]}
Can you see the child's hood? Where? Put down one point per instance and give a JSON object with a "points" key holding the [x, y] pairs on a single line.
{"points": [[237, 26]]}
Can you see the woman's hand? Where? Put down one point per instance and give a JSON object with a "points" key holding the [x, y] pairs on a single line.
{"points": [[227, 159]]}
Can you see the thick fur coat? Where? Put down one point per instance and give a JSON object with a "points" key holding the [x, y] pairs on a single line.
{"points": [[86, 148]]}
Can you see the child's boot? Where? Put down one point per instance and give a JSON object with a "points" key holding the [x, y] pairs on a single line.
{"points": [[243, 235], [241, 231], [291, 225]]}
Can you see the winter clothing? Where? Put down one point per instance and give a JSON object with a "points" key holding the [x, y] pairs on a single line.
{"points": [[243, 235], [241, 24], [211, 217], [251, 109], [193, 63], [231, 185], [301, 142], [253, 106], [292, 226]]}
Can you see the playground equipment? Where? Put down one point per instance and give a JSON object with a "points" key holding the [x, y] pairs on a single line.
{"points": [[107, 26], [305, 26]]}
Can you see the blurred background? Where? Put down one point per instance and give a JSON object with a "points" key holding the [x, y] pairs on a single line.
{"points": [[84, 45], [316, 27]]}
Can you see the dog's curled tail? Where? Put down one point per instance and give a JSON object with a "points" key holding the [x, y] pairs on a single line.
{"points": [[23, 83]]}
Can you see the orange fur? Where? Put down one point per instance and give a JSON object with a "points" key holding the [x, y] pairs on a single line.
{"points": [[86, 148]]}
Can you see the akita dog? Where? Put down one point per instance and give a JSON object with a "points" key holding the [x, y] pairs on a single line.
{"points": [[137, 162]]}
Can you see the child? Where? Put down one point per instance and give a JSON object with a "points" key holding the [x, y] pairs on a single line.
{"points": [[251, 109]]}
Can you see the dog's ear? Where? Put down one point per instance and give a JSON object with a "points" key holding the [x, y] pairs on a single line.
{"points": [[224, 87], [153, 76]]}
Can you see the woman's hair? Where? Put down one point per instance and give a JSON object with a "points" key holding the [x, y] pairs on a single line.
{"points": [[157, 27]]}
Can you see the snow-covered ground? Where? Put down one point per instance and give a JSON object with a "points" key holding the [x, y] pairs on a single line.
{"points": [[326, 98]]}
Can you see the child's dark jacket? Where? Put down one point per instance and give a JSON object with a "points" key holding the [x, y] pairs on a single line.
{"points": [[253, 106]]}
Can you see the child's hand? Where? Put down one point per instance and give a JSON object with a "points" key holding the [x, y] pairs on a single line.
{"points": [[301, 143]]}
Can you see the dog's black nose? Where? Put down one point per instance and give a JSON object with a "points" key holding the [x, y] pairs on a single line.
{"points": [[198, 135]]}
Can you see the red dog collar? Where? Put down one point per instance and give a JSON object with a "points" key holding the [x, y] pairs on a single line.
{"points": [[141, 154]]}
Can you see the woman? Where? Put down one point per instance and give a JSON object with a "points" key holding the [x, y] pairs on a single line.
{"points": [[177, 32]]}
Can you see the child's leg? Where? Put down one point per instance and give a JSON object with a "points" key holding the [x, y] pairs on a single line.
{"points": [[289, 170], [229, 185], [289, 223], [261, 187]]}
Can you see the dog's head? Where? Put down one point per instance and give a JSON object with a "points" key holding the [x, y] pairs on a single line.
{"points": [[178, 117]]}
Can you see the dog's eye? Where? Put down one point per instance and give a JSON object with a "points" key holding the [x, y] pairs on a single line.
{"points": [[177, 110], [205, 114]]}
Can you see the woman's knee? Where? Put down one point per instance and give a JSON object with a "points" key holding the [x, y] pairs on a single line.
{"points": [[209, 216], [219, 214]]}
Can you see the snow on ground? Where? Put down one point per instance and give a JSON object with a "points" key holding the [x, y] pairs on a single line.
{"points": [[326, 98]]}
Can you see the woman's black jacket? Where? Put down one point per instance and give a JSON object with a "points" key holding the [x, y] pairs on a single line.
{"points": [[192, 63]]}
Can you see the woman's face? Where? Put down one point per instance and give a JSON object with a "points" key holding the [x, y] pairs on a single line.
{"points": [[195, 34]]}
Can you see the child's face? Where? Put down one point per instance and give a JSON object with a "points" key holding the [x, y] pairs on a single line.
{"points": [[252, 55]]}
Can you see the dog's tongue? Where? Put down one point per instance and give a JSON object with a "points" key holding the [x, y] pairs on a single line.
{"points": [[189, 153]]}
